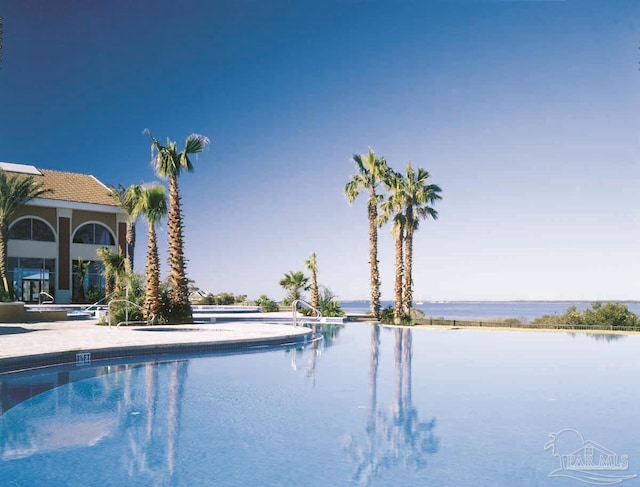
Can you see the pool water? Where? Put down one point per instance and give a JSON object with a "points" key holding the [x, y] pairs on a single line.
{"points": [[373, 406]]}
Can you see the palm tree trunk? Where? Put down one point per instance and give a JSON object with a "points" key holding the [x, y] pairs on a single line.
{"points": [[406, 365], [397, 311], [373, 255], [4, 237], [152, 293], [408, 270], [131, 242], [180, 293], [315, 298]]}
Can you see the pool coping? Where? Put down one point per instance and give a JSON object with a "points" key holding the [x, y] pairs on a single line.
{"points": [[160, 346]]}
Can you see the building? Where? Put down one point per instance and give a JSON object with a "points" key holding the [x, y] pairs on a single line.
{"points": [[48, 235]]}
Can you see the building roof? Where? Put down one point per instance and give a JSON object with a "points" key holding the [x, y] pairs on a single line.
{"points": [[71, 186], [66, 186]]}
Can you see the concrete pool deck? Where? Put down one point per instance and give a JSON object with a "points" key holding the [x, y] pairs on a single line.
{"points": [[33, 345]]}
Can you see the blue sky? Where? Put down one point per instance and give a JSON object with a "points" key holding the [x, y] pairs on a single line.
{"points": [[524, 112]]}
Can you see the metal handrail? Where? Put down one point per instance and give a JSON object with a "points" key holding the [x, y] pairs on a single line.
{"points": [[98, 302], [126, 321], [294, 310], [40, 301]]}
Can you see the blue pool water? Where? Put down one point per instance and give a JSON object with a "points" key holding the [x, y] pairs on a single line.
{"points": [[374, 406]]}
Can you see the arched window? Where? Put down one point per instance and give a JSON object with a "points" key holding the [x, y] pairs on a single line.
{"points": [[31, 229], [94, 234]]}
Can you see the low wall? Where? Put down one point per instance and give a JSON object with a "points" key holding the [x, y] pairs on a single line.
{"points": [[12, 312], [32, 316]]}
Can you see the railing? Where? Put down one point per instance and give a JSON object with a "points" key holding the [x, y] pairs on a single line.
{"points": [[126, 320], [40, 301], [294, 310], [88, 308]]}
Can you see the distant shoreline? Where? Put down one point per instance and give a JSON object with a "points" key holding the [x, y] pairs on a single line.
{"points": [[517, 301], [524, 328]]}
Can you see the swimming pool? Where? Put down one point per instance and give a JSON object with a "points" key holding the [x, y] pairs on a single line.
{"points": [[374, 406]]}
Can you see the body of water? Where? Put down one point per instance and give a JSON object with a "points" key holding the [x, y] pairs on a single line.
{"points": [[522, 310], [373, 406]]}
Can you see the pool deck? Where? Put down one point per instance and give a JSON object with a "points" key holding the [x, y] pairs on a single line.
{"points": [[32, 345]]}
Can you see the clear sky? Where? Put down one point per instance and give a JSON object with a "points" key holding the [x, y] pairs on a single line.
{"points": [[524, 112]]}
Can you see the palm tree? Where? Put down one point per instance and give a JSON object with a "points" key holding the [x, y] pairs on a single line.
{"points": [[154, 208], [372, 171], [417, 198], [115, 267], [294, 282], [129, 200], [80, 269], [312, 266], [15, 192], [169, 163], [393, 209]]}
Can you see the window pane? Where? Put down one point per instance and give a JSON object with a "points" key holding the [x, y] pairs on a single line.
{"points": [[96, 267], [31, 263], [84, 235], [42, 232], [21, 230], [103, 236], [50, 264]]}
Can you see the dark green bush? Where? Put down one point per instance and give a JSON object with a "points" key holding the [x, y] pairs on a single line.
{"points": [[268, 305], [386, 315], [601, 316]]}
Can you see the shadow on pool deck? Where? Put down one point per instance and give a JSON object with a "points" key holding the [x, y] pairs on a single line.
{"points": [[13, 330]]}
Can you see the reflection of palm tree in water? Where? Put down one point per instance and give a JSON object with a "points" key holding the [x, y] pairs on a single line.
{"points": [[401, 439], [417, 438], [140, 433], [176, 393]]}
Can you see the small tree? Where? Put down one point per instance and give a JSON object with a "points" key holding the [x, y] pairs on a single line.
{"points": [[295, 283], [80, 269], [267, 304], [15, 192], [129, 199], [328, 304]]}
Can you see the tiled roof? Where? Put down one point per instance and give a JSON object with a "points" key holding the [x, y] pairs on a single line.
{"points": [[71, 186]]}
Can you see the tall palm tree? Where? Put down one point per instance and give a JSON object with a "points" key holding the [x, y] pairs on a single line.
{"points": [[312, 266], [169, 163], [295, 283], [15, 192], [393, 208], [418, 196], [154, 208], [371, 173], [129, 200]]}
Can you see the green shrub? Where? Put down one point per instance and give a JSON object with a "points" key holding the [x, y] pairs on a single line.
{"points": [[5, 297], [386, 315], [512, 322], [602, 316], [610, 315], [332, 308], [94, 294], [267, 305]]}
